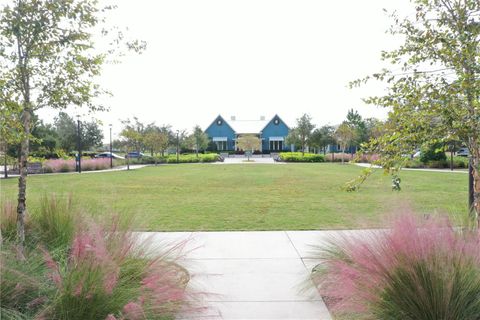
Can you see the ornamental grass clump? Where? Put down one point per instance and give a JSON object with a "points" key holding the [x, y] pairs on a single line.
{"points": [[422, 270], [76, 267], [95, 164]]}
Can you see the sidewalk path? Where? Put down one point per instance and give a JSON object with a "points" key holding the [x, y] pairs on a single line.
{"points": [[253, 275], [252, 161], [120, 168], [367, 165]]}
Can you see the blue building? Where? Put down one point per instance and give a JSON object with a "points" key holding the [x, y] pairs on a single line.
{"points": [[272, 133]]}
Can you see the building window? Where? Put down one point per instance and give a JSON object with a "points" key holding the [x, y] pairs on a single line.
{"points": [[276, 122], [219, 122]]}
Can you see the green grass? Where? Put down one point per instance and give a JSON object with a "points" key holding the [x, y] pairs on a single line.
{"points": [[249, 197]]}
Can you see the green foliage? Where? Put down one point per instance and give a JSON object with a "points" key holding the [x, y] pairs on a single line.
{"points": [[54, 222], [301, 134], [433, 83], [433, 152], [24, 285], [322, 137], [301, 157], [191, 158], [458, 163], [66, 130]]}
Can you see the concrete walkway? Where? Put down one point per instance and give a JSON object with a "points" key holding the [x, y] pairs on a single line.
{"points": [[119, 168], [367, 165], [253, 275], [252, 161]]}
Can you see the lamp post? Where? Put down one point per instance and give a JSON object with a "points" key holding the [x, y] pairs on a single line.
{"points": [[111, 156], [79, 145], [178, 142]]}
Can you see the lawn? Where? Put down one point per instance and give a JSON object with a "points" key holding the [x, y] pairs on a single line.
{"points": [[249, 197]]}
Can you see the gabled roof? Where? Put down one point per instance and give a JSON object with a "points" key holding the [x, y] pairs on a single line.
{"points": [[247, 126], [223, 120], [275, 116]]}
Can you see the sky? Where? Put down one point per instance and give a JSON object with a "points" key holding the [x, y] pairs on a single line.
{"points": [[246, 58]]}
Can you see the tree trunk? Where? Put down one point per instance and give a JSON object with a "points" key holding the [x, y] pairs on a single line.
{"points": [[476, 185], [22, 180], [5, 171], [343, 155]]}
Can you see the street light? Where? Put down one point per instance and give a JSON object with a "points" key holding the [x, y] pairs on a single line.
{"points": [[79, 145], [111, 156]]}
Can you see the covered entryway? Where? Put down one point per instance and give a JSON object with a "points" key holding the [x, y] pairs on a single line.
{"points": [[276, 143]]}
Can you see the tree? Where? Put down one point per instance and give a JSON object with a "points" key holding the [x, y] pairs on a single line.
{"points": [[435, 95], [136, 132], [131, 138], [248, 143], [48, 59], [199, 139], [45, 139], [302, 132], [66, 130], [345, 135], [322, 137], [355, 120], [156, 141], [293, 138]]}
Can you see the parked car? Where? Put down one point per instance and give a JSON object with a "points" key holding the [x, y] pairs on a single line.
{"points": [[135, 154], [108, 155], [463, 152]]}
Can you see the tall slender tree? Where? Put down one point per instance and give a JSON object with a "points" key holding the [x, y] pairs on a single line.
{"points": [[48, 58]]}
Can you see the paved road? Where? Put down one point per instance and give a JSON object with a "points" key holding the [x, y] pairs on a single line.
{"points": [[253, 275]]}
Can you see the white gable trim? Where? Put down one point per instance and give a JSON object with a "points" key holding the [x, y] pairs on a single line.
{"points": [[276, 138]]}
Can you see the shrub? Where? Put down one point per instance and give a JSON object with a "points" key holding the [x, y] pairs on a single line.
{"points": [[59, 165], [412, 271], [95, 164], [433, 153], [298, 157], [337, 157]]}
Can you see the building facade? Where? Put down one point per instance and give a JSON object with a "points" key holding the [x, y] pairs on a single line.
{"points": [[272, 133]]}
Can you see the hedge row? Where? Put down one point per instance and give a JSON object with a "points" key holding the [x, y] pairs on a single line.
{"points": [[458, 163], [298, 157], [183, 158]]}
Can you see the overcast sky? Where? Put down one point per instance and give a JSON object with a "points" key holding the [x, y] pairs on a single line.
{"points": [[247, 58]]}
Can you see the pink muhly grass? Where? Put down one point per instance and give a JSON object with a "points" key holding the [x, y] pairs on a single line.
{"points": [[133, 311], [381, 272], [59, 165], [95, 164], [53, 266]]}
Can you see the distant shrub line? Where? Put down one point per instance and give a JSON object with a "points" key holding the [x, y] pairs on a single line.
{"points": [[299, 157]]}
